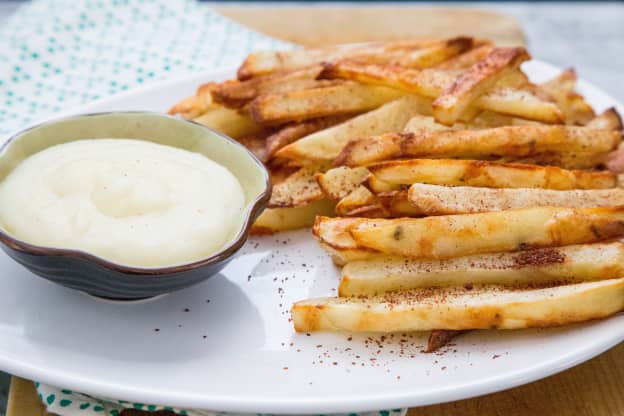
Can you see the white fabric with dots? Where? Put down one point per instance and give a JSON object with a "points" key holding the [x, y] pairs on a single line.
{"points": [[58, 54]]}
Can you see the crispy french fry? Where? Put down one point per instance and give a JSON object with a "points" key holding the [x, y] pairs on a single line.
{"points": [[196, 105], [229, 122], [235, 94], [444, 200], [450, 236], [339, 99], [431, 82], [294, 132], [573, 106], [479, 78], [339, 182], [298, 189], [610, 119], [454, 308], [567, 160], [577, 263], [361, 203], [273, 220], [467, 59], [436, 54], [325, 145], [511, 142], [392, 175], [396, 204], [333, 236], [261, 63]]}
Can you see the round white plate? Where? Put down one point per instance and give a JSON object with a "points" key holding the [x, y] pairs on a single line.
{"points": [[227, 344]]}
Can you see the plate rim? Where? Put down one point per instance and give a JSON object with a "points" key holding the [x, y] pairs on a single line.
{"points": [[285, 405]]}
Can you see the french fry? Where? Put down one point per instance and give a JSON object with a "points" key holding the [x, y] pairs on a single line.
{"points": [[432, 82], [573, 106], [361, 203], [444, 200], [566, 160], [196, 105], [450, 236], [273, 220], [509, 141], [339, 182], [459, 309], [294, 132], [235, 94], [420, 124], [437, 53], [392, 175], [300, 188], [610, 120], [229, 122], [339, 99], [396, 204], [479, 78], [577, 263], [333, 236], [325, 145], [467, 59], [262, 63]]}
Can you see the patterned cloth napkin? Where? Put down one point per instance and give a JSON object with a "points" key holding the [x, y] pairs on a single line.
{"points": [[58, 54], [69, 403]]}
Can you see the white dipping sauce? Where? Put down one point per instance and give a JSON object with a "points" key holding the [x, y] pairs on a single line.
{"points": [[129, 201]]}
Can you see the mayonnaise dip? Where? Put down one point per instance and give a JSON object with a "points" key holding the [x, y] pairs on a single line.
{"points": [[129, 201]]}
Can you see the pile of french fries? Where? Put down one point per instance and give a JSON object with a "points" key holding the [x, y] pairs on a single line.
{"points": [[455, 193]]}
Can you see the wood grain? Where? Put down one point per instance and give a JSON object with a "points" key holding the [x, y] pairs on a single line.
{"points": [[315, 26]]}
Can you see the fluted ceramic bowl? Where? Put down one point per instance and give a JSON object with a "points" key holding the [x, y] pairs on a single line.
{"points": [[100, 277]]}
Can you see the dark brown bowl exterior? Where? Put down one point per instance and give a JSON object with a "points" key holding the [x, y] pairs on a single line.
{"points": [[99, 277]]}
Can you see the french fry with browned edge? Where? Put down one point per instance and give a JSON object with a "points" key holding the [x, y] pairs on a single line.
{"points": [[433, 82], [445, 200], [361, 202], [540, 266], [345, 98], [339, 182], [478, 79], [573, 106], [325, 145], [273, 220], [230, 122], [395, 174], [298, 189], [450, 236], [508, 141], [610, 119], [460, 308]]}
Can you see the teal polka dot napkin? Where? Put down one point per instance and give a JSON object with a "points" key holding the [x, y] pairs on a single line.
{"points": [[69, 403], [58, 54]]}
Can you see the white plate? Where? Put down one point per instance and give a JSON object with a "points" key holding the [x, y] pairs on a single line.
{"points": [[238, 352]]}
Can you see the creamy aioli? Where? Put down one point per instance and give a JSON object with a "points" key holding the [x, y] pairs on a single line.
{"points": [[129, 201]]}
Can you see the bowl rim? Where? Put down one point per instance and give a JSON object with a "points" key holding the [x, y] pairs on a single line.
{"points": [[255, 207]]}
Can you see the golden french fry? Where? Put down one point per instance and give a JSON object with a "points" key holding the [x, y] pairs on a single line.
{"points": [[230, 122], [479, 78], [577, 263], [339, 182], [392, 175], [444, 200], [431, 82], [325, 145], [467, 59], [610, 119], [458, 309], [361, 202], [573, 106], [298, 189], [450, 236], [273, 220], [436, 53], [196, 105], [339, 99]]}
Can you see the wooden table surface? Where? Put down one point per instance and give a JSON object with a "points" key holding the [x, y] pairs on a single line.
{"points": [[591, 389]]}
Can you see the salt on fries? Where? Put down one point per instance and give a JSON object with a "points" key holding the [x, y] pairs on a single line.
{"points": [[467, 196]]}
